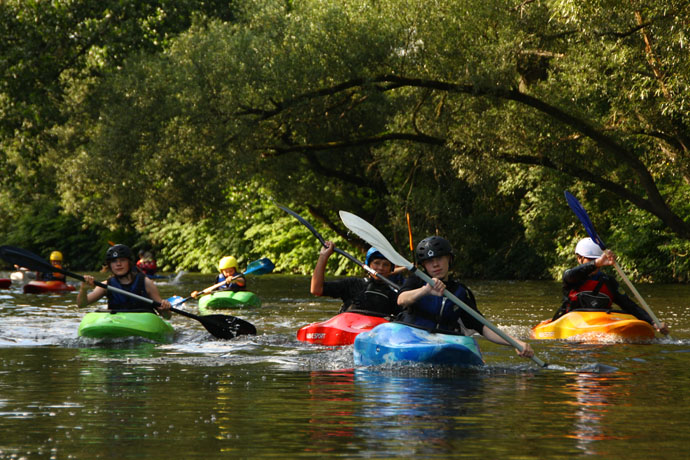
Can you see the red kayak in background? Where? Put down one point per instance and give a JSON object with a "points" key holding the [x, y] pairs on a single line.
{"points": [[42, 287], [339, 330], [5, 283]]}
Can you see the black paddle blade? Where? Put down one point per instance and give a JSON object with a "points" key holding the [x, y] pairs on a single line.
{"points": [[220, 326], [226, 326], [24, 258]]}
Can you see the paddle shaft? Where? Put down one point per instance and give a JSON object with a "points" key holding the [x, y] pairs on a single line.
{"points": [[318, 236], [449, 295], [637, 295]]}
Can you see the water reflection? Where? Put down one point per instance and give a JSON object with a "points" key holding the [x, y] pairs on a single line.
{"points": [[331, 394], [432, 413], [595, 395]]}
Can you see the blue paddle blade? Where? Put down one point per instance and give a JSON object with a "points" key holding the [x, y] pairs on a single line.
{"points": [[584, 218], [260, 267], [176, 300]]}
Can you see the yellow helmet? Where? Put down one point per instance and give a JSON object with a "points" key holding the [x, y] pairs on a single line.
{"points": [[56, 255], [227, 262]]}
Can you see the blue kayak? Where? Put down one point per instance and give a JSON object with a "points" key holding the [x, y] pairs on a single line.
{"points": [[396, 342]]}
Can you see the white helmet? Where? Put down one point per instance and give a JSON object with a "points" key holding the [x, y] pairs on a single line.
{"points": [[587, 248]]}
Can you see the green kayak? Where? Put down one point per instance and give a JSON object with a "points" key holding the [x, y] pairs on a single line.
{"points": [[103, 325], [228, 299]]}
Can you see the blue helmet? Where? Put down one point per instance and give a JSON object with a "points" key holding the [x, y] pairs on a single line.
{"points": [[372, 254]]}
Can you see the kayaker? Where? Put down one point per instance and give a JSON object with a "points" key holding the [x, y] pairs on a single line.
{"points": [[425, 306], [147, 264], [586, 287], [55, 261], [120, 262], [228, 268], [361, 294]]}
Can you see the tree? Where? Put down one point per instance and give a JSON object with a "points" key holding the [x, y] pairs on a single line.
{"points": [[345, 105]]}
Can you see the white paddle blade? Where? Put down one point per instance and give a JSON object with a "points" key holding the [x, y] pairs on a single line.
{"points": [[371, 235]]}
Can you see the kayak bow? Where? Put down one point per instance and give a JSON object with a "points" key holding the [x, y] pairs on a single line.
{"points": [[42, 287], [339, 330], [108, 325], [396, 342], [595, 326]]}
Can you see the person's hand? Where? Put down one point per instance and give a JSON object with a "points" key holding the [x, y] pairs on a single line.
{"points": [[88, 281], [164, 306], [663, 328], [327, 249], [436, 288], [194, 294], [526, 352], [607, 258]]}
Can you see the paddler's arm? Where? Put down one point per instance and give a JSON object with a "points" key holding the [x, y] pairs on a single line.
{"points": [[152, 291], [318, 277], [407, 298], [84, 298], [526, 352], [239, 281]]}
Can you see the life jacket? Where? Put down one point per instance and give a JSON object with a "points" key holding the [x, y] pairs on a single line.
{"points": [[234, 287], [436, 313], [376, 298], [593, 294], [57, 275], [121, 302], [51, 276], [149, 267]]}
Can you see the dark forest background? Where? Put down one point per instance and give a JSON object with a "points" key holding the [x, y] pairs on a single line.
{"points": [[175, 125]]}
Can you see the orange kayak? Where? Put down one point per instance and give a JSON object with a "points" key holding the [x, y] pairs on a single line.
{"points": [[41, 287], [595, 326]]}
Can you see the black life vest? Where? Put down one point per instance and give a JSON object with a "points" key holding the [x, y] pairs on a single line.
{"points": [[436, 313], [122, 302], [593, 294], [376, 298]]}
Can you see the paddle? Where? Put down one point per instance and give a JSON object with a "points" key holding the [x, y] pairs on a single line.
{"points": [[584, 218], [221, 326], [338, 250], [258, 267], [409, 231], [371, 235]]}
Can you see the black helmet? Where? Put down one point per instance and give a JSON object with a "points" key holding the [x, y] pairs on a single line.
{"points": [[116, 251], [433, 246]]}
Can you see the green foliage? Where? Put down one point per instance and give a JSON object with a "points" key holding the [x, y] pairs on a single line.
{"points": [[253, 228], [44, 228], [172, 123]]}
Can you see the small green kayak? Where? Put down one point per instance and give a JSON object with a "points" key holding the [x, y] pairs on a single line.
{"points": [[102, 325], [228, 299]]}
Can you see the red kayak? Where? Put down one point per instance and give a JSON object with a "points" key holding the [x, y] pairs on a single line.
{"points": [[5, 283], [42, 287], [339, 330]]}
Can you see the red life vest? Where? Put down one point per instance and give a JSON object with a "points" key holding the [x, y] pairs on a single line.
{"points": [[592, 294]]}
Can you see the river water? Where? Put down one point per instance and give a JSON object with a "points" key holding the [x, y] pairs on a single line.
{"points": [[271, 396]]}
